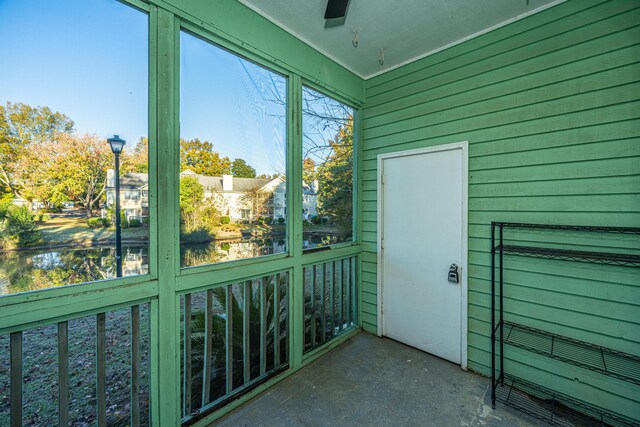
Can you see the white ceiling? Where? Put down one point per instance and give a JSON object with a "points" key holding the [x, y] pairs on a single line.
{"points": [[404, 29]]}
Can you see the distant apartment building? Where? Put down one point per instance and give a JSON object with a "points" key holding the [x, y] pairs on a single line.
{"points": [[241, 199]]}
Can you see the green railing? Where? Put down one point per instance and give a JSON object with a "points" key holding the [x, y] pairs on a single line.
{"points": [[330, 300], [86, 370], [234, 337]]}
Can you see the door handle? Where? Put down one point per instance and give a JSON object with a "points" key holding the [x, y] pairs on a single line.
{"points": [[454, 275]]}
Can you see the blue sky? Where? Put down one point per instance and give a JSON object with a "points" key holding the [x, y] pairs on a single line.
{"points": [[85, 58], [88, 59], [227, 100]]}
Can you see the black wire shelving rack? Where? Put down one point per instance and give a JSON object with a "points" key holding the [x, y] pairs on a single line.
{"points": [[534, 399]]}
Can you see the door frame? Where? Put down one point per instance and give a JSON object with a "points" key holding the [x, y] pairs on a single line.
{"points": [[464, 147]]}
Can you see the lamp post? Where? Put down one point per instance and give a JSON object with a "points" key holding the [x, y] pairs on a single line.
{"points": [[117, 145]]}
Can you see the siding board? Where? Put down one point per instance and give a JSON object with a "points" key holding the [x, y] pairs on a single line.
{"points": [[549, 105]]}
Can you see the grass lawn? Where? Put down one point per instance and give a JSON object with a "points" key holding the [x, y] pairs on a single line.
{"points": [[59, 231]]}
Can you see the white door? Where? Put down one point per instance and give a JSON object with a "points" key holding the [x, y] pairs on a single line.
{"points": [[422, 197]]}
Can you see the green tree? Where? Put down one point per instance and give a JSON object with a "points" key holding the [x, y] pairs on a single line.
{"points": [[335, 197], [241, 169], [22, 125], [191, 196], [199, 157]]}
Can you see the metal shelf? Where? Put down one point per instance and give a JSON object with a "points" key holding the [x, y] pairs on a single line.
{"points": [[555, 408], [550, 406], [592, 228], [625, 260], [589, 356]]}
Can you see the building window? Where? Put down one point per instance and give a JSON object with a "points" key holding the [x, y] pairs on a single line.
{"points": [[232, 155], [131, 195], [327, 170], [76, 72]]}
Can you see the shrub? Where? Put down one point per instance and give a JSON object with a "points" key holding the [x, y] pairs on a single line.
{"points": [[306, 223], [281, 220], [124, 223], [98, 222], [4, 207], [135, 222], [268, 220], [43, 217], [316, 219], [199, 235], [225, 220], [260, 220], [21, 227], [325, 220], [145, 221]]}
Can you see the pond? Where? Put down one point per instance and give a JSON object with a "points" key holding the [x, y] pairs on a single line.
{"points": [[50, 267]]}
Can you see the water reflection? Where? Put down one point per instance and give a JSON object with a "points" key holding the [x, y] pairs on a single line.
{"points": [[221, 251], [45, 268]]}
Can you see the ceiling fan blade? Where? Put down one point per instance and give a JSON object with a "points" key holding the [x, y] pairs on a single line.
{"points": [[336, 9]]}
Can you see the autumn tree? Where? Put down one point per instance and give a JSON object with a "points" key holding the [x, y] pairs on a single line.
{"points": [[22, 126], [335, 196], [199, 157], [241, 169], [79, 170], [136, 159], [308, 170]]}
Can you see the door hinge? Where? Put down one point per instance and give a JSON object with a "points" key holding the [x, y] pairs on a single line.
{"points": [[382, 179], [382, 243]]}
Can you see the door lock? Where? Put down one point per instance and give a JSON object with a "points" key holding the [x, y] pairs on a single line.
{"points": [[454, 275]]}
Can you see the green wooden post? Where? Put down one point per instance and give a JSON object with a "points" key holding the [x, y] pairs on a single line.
{"points": [[357, 209], [168, 249], [294, 219]]}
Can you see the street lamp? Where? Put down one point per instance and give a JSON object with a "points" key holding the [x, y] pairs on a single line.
{"points": [[117, 145]]}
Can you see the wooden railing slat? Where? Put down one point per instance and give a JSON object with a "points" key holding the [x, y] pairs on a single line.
{"points": [[276, 321], [101, 385], [332, 298], [354, 299], [16, 379], [63, 373], [263, 325], [246, 336], [340, 295], [229, 337], [208, 351], [135, 366], [187, 356], [347, 304], [323, 305], [313, 306]]}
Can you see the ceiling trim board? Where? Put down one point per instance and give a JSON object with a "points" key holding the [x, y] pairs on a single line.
{"points": [[299, 37], [467, 38], [408, 61]]}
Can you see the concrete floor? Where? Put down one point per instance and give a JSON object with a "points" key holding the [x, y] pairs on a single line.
{"points": [[371, 381]]}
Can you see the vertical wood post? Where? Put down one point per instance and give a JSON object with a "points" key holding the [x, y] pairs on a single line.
{"points": [[167, 65]]}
